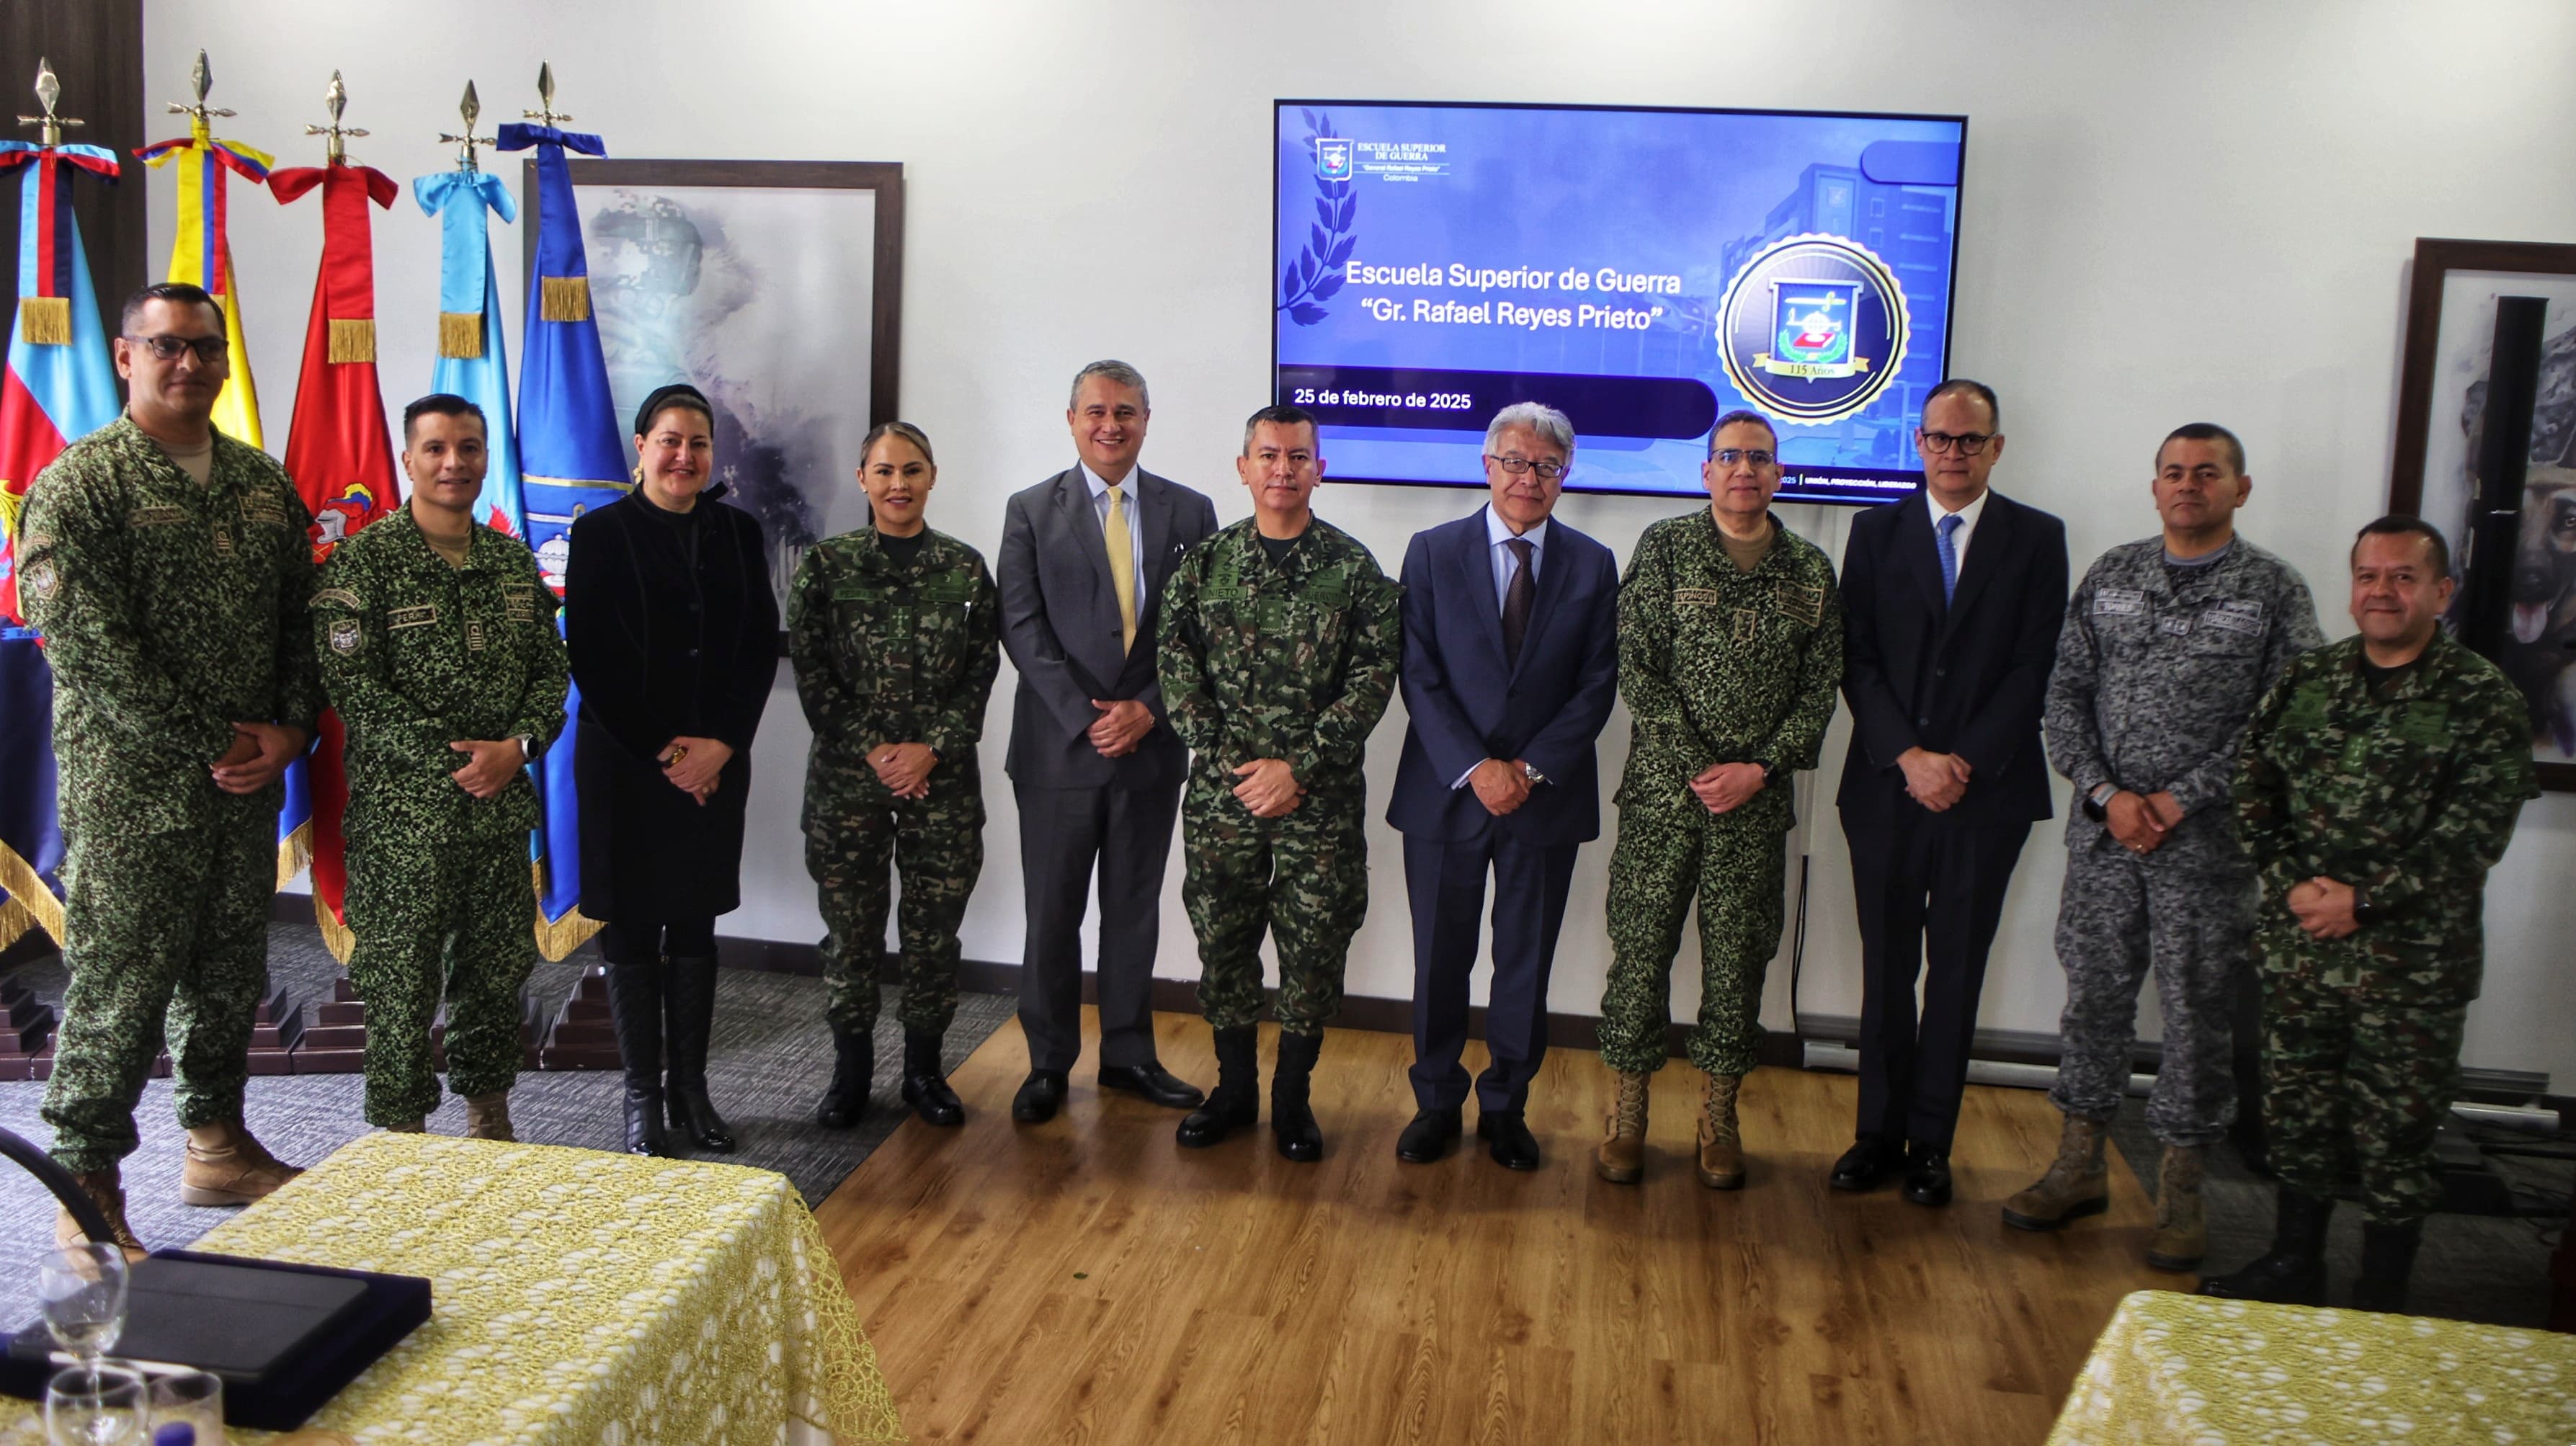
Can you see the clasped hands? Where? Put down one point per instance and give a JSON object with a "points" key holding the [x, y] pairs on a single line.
{"points": [[1120, 727], [259, 753], [1269, 788], [2324, 908], [2141, 822], [904, 768], [1502, 785], [694, 764], [1935, 780]]}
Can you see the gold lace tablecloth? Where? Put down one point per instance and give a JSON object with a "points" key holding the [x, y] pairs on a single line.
{"points": [[2188, 1369], [579, 1296]]}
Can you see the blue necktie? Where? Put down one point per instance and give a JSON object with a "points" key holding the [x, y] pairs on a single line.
{"points": [[1950, 556]]}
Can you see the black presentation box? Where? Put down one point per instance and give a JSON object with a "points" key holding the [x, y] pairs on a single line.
{"points": [[284, 1338]]}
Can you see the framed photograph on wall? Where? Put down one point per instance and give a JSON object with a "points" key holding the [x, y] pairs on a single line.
{"points": [[2441, 410], [775, 287]]}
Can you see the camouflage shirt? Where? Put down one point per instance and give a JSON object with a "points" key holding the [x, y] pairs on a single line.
{"points": [[416, 655], [1294, 661], [1720, 665], [887, 653], [171, 610], [2408, 794], [2155, 680]]}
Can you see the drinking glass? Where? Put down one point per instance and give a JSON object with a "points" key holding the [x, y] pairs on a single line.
{"points": [[95, 1405], [194, 1399], [83, 1291]]}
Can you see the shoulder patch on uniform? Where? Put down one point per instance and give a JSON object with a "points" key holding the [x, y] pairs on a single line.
{"points": [[347, 636], [337, 597], [418, 616], [160, 515], [1703, 597], [40, 579], [2119, 602], [1803, 601], [2242, 615]]}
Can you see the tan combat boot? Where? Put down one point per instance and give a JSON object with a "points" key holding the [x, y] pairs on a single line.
{"points": [[228, 1166], [1622, 1160], [105, 1190], [487, 1117], [2077, 1184], [2182, 1225], [1721, 1148]]}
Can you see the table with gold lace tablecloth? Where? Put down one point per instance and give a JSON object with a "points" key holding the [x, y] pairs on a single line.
{"points": [[580, 1296], [2190, 1369]]}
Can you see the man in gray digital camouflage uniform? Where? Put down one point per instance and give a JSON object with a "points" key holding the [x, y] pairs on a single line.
{"points": [[168, 567], [2169, 643]]}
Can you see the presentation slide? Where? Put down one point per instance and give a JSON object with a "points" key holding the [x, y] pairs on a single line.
{"points": [[1642, 271]]}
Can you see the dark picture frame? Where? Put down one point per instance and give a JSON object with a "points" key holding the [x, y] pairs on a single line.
{"points": [[698, 266], [2450, 317]]}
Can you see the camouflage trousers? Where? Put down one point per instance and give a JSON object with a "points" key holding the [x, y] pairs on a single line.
{"points": [[1303, 879], [2354, 1090], [432, 917], [2118, 918], [1736, 871], [853, 832], [167, 938]]}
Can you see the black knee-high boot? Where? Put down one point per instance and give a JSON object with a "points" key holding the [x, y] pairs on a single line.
{"points": [[635, 1009], [1292, 1118], [689, 1006], [1235, 1103], [854, 1068], [2293, 1272]]}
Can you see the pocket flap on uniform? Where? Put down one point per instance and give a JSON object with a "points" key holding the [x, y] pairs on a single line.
{"points": [[950, 589]]}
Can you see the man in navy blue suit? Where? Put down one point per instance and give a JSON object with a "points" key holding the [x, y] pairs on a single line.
{"points": [[1952, 600], [1511, 660]]}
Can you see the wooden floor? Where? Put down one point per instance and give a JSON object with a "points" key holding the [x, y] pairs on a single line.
{"points": [[1087, 1280]]}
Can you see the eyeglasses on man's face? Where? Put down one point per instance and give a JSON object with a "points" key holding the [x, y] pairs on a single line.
{"points": [[1756, 457], [1517, 465], [1966, 444], [210, 350]]}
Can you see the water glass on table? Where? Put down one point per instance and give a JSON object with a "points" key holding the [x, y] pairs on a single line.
{"points": [[96, 1405], [187, 1409], [82, 1288]]}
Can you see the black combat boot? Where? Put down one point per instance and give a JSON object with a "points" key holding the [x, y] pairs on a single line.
{"points": [[854, 1068], [1291, 1119], [925, 1087], [2387, 1259], [2294, 1271], [1235, 1103], [689, 1008], [635, 1010]]}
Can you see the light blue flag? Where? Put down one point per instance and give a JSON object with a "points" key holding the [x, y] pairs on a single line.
{"points": [[473, 354]]}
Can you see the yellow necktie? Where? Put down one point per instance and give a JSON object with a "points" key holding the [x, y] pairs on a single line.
{"points": [[1122, 569]]}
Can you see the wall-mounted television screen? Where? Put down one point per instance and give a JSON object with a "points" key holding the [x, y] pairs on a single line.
{"points": [[1643, 271]]}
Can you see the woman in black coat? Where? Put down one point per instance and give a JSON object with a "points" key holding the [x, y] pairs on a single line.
{"points": [[674, 638]]}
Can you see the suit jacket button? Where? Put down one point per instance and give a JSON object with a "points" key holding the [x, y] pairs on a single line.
{"points": [[1940, 672], [1922, 722]]}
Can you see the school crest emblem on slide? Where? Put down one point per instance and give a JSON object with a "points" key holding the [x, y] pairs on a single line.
{"points": [[1333, 158], [1813, 328]]}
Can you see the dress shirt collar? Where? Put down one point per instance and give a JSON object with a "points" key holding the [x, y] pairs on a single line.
{"points": [[1498, 532], [1099, 485]]}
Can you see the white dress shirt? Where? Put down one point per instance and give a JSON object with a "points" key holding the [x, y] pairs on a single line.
{"points": [[1127, 500], [1967, 516]]}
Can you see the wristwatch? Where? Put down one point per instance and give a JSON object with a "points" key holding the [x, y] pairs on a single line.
{"points": [[2097, 803], [527, 748], [1530, 772], [2364, 912]]}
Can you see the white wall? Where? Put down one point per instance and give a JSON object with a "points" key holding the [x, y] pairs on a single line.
{"points": [[2173, 212]]}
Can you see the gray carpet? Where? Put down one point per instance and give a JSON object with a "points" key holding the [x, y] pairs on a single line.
{"points": [[2485, 1268], [767, 1063]]}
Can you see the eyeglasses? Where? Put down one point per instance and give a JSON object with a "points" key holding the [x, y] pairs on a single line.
{"points": [[210, 350], [1729, 456], [1966, 444], [1547, 471]]}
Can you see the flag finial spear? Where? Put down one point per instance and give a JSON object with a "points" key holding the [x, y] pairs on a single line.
{"points": [[337, 100], [49, 91], [471, 108], [546, 115], [202, 76]]}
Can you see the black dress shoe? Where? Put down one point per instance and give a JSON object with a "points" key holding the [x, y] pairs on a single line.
{"points": [[1866, 1165], [1040, 1096], [1429, 1136], [1508, 1139], [1153, 1082], [1927, 1175]]}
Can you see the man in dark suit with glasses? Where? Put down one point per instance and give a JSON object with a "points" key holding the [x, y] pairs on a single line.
{"points": [[1953, 598]]}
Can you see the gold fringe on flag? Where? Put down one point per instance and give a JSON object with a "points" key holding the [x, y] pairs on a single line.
{"points": [[353, 341], [29, 903], [460, 333], [335, 935], [558, 939], [564, 298], [294, 852], [46, 320]]}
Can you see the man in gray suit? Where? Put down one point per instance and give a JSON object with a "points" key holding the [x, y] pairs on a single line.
{"points": [[1095, 767]]}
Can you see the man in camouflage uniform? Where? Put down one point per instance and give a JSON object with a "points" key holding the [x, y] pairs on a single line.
{"points": [[2379, 783], [168, 567], [895, 638], [1730, 650], [438, 647], [1280, 645], [2167, 646]]}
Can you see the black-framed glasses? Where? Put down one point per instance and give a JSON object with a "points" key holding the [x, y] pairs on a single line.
{"points": [[1966, 444], [1729, 456], [1547, 471], [210, 350]]}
